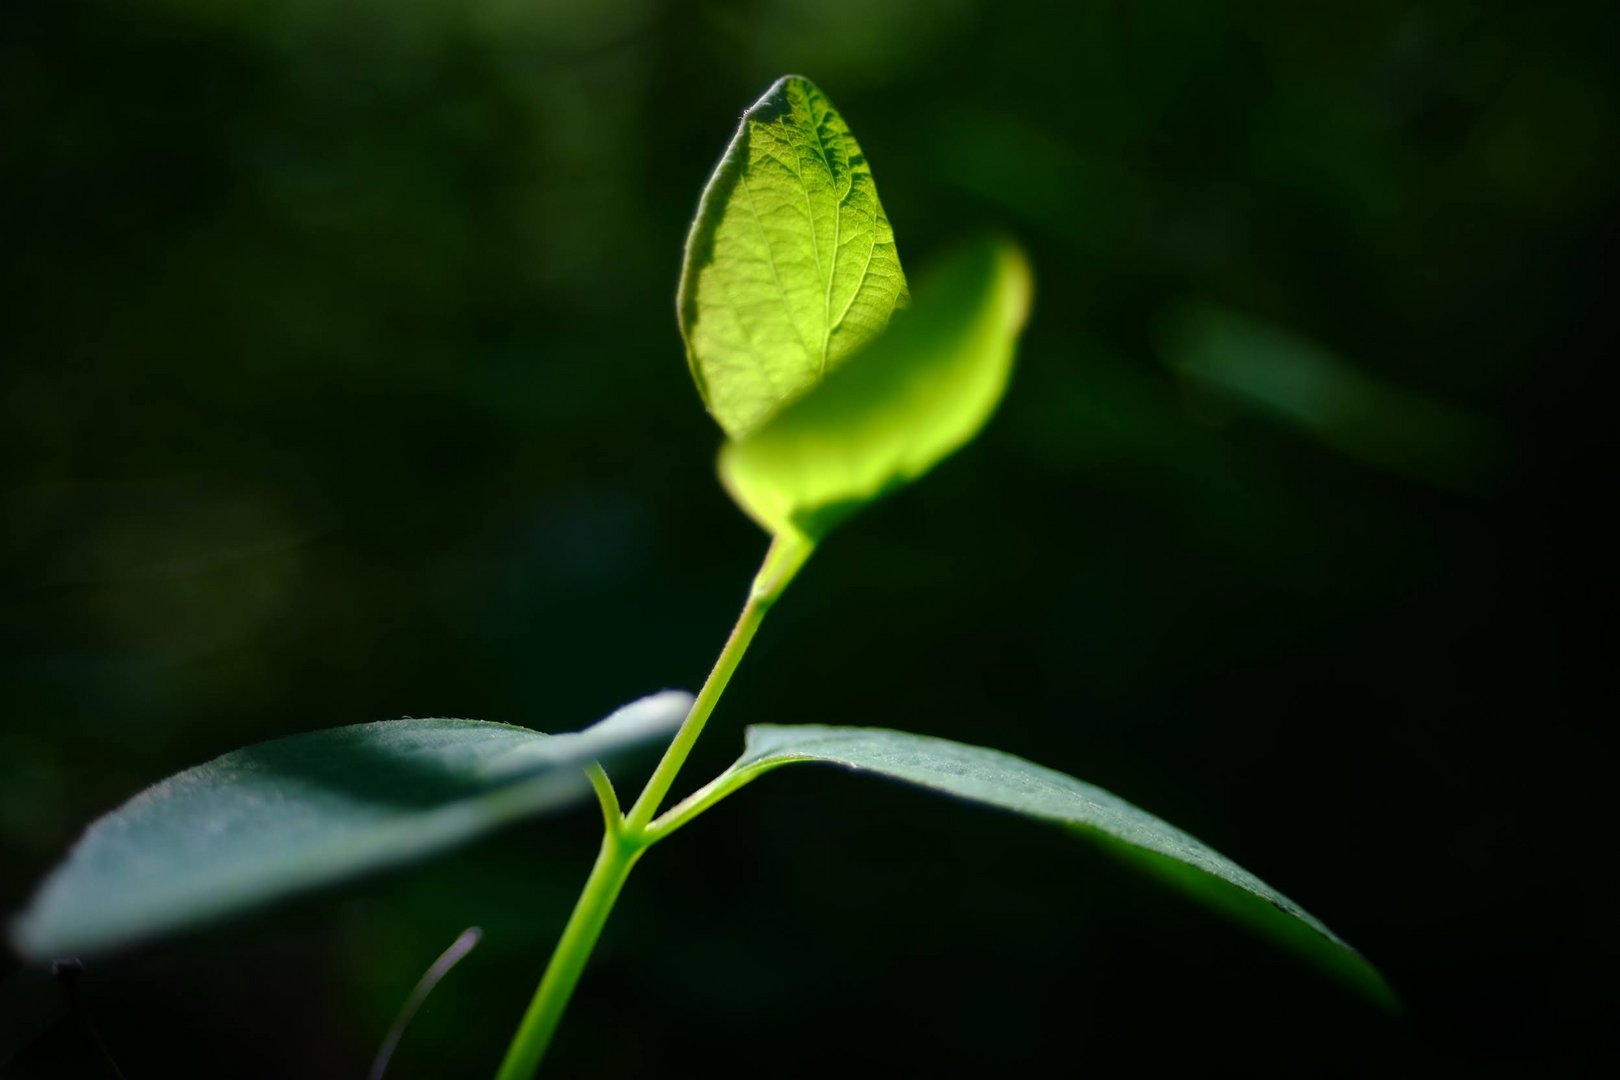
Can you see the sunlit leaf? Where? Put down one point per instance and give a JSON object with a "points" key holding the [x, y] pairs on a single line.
{"points": [[1010, 783], [790, 265], [271, 819], [904, 403]]}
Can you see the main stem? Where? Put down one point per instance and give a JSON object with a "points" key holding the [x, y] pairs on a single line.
{"points": [[627, 837], [574, 948]]}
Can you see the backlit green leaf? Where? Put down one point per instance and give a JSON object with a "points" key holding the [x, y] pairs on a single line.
{"points": [[1010, 783], [790, 265], [286, 815], [904, 403]]}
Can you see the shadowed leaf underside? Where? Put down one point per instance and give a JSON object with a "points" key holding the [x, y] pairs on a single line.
{"points": [[283, 816]]}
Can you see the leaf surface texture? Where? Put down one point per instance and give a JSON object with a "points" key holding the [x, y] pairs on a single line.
{"points": [[286, 815], [790, 265], [1001, 780]]}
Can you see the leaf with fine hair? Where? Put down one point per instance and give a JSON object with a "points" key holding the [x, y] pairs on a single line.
{"points": [[290, 814], [790, 265], [993, 778]]}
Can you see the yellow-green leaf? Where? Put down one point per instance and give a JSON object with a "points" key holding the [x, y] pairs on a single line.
{"points": [[908, 400], [790, 265]]}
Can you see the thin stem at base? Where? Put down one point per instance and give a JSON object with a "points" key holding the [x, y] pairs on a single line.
{"points": [[568, 960]]}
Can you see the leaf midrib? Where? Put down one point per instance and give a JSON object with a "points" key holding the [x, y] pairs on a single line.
{"points": [[781, 290], [838, 220], [829, 324]]}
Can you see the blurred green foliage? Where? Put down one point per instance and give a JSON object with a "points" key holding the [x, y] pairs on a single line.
{"points": [[342, 382]]}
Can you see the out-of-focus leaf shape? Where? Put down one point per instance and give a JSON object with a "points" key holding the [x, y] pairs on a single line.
{"points": [[268, 820], [903, 404], [1010, 783], [1274, 373], [790, 265]]}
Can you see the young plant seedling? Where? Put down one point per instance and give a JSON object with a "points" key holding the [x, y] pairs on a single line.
{"points": [[834, 385]]}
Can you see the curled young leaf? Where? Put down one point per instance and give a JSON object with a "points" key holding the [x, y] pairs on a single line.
{"points": [[890, 414]]}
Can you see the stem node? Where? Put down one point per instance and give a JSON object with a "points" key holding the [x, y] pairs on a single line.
{"points": [[627, 836]]}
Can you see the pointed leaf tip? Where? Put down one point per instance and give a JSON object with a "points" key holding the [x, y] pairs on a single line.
{"points": [[790, 266], [997, 779]]}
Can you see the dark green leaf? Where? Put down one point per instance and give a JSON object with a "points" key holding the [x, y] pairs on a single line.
{"points": [[286, 815], [1011, 783], [1262, 368]]}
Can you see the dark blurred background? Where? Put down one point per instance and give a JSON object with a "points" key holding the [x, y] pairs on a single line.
{"points": [[342, 382]]}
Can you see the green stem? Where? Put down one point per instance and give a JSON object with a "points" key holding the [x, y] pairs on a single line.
{"points": [[627, 836], [574, 948], [612, 816], [783, 560], [705, 797]]}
